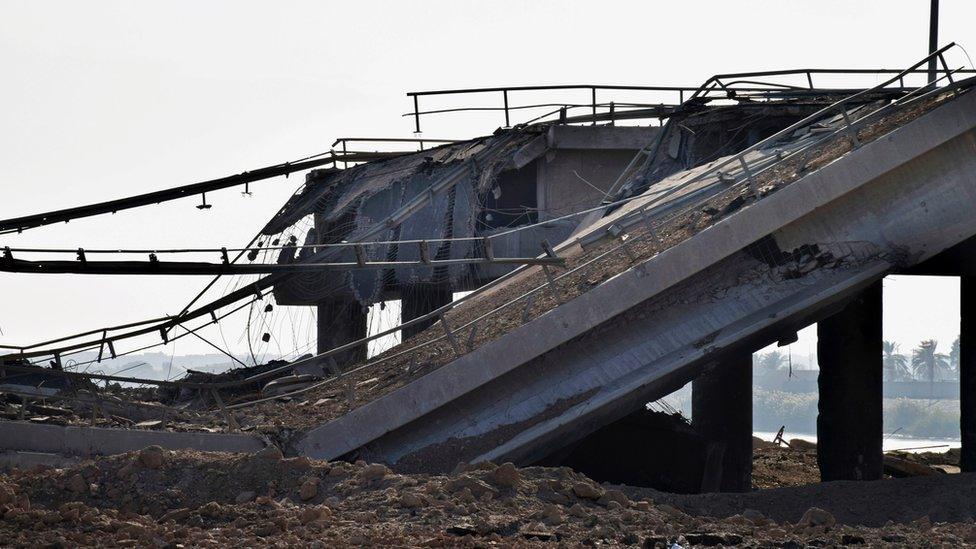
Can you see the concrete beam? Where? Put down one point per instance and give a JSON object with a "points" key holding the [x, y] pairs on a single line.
{"points": [[98, 441], [849, 422], [721, 412], [596, 138], [958, 260]]}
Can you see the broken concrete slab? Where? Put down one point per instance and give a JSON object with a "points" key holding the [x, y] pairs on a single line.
{"points": [[394, 426], [94, 441]]}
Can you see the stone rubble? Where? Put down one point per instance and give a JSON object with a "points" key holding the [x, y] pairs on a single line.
{"points": [[162, 498]]}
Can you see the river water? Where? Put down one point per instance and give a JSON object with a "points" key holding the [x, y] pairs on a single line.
{"points": [[891, 442]]}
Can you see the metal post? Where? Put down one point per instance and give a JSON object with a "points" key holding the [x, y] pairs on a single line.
{"points": [[528, 308], [450, 336], [416, 114], [505, 98], [753, 185], [593, 97], [471, 335], [810, 79], [933, 37], [851, 132], [945, 67]]}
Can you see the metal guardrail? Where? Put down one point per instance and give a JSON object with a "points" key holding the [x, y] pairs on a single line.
{"points": [[736, 168], [726, 85], [420, 141]]}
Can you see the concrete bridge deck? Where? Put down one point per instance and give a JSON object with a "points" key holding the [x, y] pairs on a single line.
{"points": [[885, 206]]}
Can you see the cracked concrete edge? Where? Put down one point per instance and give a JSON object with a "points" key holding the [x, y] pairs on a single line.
{"points": [[641, 282], [91, 441]]}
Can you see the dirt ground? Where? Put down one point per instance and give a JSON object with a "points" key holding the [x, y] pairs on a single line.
{"points": [[159, 498], [778, 467]]}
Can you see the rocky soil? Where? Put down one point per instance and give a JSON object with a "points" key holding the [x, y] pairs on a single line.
{"points": [[159, 498]]}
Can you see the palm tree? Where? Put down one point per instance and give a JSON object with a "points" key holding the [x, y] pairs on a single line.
{"points": [[771, 361], [895, 363], [927, 362]]}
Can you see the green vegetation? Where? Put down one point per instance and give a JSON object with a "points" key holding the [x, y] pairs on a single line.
{"points": [[908, 417], [773, 409], [922, 418]]}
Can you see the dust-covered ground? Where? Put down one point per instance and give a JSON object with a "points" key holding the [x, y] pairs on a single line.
{"points": [[158, 498], [778, 466]]}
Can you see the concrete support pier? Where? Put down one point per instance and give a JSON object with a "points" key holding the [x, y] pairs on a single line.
{"points": [[721, 412], [849, 423], [420, 299], [967, 372], [341, 322]]}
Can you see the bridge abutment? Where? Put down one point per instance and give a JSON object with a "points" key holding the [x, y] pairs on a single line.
{"points": [[721, 411], [849, 422]]}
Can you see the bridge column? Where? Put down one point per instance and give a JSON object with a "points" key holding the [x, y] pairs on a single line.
{"points": [[849, 423], [967, 372], [419, 299], [341, 322], [721, 412]]}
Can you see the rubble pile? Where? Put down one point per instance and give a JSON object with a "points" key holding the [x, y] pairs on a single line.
{"points": [[119, 408], [168, 499]]}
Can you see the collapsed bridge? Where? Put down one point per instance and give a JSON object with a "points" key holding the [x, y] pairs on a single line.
{"points": [[608, 266]]}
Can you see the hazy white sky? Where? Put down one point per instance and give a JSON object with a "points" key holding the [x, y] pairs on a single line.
{"points": [[107, 99]]}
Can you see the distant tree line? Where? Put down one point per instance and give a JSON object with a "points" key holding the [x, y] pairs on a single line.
{"points": [[925, 363]]}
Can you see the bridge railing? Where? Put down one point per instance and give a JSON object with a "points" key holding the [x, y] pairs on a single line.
{"points": [[851, 112], [603, 107]]}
